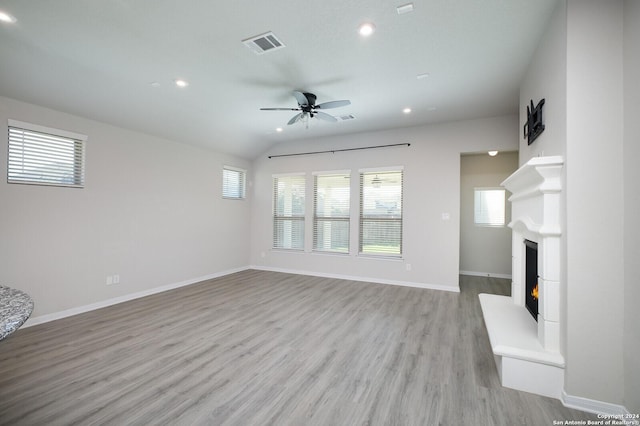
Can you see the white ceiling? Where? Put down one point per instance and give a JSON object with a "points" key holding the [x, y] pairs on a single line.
{"points": [[97, 59]]}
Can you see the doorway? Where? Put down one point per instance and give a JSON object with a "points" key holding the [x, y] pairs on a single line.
{"points": [[485, 238]]}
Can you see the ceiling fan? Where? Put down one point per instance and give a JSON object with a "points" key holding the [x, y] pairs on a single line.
{"points": [[381, 179], [308, 108]]}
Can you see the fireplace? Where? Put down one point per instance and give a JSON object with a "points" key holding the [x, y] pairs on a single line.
{"points": [[527, 352], [531, 278]]}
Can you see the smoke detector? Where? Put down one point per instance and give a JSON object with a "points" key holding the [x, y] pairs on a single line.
{"points": [[263, 43]]}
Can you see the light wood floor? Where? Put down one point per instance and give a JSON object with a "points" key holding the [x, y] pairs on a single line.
{"points": [[265, 348]]}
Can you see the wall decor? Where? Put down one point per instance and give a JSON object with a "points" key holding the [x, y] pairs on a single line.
{"points": [[534, 125]]}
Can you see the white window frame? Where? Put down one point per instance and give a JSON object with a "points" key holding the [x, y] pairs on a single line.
{"points": [[286, 220], [240, 188], [364, 218], [327, 219], [484, 215], [34, 150]]}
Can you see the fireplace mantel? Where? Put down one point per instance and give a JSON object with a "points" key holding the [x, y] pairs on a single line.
{"points": [[527, 354], [540, 175]]}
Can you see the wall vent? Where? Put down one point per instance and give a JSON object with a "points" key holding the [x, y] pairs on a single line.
{"points": [[405, 8], [263, 43], [346, 117]]}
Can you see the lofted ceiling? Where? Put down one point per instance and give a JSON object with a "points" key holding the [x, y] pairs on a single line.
{"points": [[117, 61]]}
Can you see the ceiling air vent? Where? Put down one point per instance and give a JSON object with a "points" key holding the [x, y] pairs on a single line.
{"points": [[346, 117], [263, 43]]}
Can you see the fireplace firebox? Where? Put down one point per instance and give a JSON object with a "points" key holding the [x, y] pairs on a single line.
{"points": [[531, 278]]}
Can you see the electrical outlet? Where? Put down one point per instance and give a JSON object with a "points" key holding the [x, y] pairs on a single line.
{"points": [[407, 266]]}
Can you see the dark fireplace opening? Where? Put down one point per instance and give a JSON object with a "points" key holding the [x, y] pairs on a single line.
{"points": [[531, 278]]}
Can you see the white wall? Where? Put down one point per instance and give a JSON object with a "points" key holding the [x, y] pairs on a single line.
{"points": [[594, 197], [546, 78], [432, 187], [151, 211], [631, 155], [578, 68], [484, 250]]}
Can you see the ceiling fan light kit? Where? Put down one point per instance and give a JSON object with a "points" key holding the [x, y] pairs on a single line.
{"points": [[308, 108]]}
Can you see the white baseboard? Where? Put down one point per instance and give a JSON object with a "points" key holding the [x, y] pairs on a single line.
{"points": [[593, 406], [363, 279], [485, 274], [104, 303]]}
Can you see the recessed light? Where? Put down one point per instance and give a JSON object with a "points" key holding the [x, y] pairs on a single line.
{"points": [[407, 110], [432, 109], [154, 84], [366, 29], [279, 129], [181, 83], [422, 76], [493, 153], [5, 17]]}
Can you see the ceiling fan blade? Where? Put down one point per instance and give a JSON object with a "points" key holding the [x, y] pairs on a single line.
{"points": [[295, 118], [279, 109], [333, 104], [324, 116], [301, 98]]}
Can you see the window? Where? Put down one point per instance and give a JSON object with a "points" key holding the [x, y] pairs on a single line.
{"points": [[233, 182], [381, 212], [489, 206], [288, 212], [331, 212], [43, 156]]}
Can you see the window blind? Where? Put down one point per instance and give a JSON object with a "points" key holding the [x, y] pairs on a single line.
{"points": [[288, 212], [42, 156], [233, 182], [331, 198], [381, 212]]}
